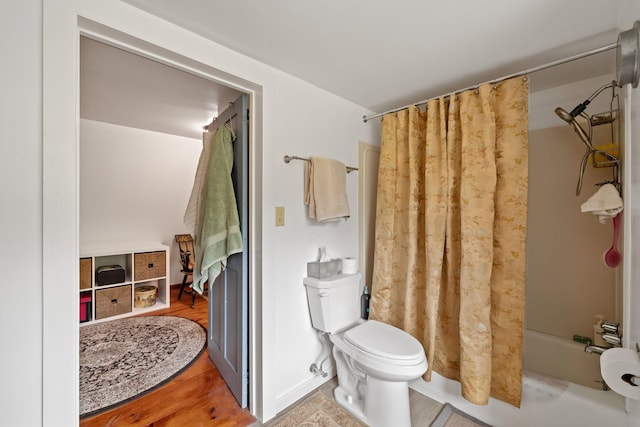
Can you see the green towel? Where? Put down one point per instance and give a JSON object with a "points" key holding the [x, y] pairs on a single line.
{"points": [[218, 235]]}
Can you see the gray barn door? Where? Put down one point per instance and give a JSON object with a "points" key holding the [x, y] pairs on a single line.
{"points": [[228, 296]]}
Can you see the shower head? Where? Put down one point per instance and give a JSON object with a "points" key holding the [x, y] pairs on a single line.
{"points": [[569, 118], [562, 113], [579, 111]]}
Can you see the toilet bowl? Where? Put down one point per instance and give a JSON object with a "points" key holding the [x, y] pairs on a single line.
{"points": [[383, 350], [374, 361]]}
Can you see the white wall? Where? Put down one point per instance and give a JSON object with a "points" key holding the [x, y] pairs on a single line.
{"points": [[134, 186], [632, 237], [630, 12], [21, 213], [567, 282], [324, 128]]}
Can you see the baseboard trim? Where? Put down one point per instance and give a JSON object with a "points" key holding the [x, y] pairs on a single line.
{"points": [[284, 400]]}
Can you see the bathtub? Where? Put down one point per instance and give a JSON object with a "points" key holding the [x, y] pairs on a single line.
{"points": [[546, 400]]}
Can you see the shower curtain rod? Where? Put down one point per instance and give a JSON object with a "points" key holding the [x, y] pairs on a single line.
{"points": [[500, 79]]}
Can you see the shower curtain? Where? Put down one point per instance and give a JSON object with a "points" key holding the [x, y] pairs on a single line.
{"points": [[449, 262]]}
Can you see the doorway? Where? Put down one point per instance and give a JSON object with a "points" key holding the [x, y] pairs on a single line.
{"points": [[141, 125], [148, 126]]}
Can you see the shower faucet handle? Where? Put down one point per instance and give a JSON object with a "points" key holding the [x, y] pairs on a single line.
{"points": [[610, 327], [611, 333], [613, 339]]}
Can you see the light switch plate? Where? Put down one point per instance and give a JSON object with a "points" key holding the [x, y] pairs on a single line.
{"points": [[279, 216]]}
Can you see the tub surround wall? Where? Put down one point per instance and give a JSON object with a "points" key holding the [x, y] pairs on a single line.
{"points": [[567, 280]]}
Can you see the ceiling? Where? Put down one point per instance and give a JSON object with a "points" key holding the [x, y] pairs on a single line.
{"points": [[375, 53], [125, 89], [382, 54]]}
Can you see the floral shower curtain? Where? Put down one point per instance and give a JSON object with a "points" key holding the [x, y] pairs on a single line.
{"points": [[449, 263]]}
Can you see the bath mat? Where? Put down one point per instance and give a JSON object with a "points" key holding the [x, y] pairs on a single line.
{"points": [[125, 358], [316, 410], [449, 416]]}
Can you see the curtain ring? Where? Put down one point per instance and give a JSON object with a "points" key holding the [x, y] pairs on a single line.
{"points": [[525, 78], [494, 87], [477, 91]]}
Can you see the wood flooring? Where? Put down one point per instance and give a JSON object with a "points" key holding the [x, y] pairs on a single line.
{"points": [[196, 397]]}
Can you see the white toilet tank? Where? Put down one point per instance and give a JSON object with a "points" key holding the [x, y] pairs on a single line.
{"points": [[334, 303]]}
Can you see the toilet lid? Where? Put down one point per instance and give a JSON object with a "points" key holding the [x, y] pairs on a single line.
{"points": [[384, 340]]}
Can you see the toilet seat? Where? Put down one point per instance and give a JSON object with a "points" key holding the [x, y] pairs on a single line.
{"points": [[377, 340]]}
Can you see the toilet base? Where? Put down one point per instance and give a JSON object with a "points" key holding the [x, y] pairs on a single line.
{"points": [[386, 403], [351, 404]]}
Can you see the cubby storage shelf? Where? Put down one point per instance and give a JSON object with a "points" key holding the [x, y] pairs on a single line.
{"points": [[143, 264]]}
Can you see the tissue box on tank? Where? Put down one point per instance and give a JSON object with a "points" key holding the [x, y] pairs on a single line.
{"points": [[324, 269]]}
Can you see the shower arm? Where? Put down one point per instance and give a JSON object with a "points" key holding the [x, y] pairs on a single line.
{"points": [[581, 107]]}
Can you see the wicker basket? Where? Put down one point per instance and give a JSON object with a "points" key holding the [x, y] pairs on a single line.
{"points": [[149, 265], [144, 296], [85, 273], [113, 301]]}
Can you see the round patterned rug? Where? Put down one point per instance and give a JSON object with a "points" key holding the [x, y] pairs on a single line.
{"points": [[124, 358]]}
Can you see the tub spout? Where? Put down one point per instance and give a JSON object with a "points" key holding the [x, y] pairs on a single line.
{"points": [[595, 349]]}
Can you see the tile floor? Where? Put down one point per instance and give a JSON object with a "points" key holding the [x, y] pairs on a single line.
{"points": [[423, 409]]}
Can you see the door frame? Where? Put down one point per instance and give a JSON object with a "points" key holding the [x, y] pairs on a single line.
{"points": [[60, 177]]}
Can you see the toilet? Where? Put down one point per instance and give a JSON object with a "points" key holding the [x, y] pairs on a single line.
{"points": [[374, 361]]}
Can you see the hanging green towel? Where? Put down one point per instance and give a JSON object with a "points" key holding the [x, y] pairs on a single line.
{"points": [[218, 235]]}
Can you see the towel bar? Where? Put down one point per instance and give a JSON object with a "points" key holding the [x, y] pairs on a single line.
{"points": [[288, 158]]}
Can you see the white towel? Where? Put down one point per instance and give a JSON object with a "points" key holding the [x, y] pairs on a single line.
{"points": [[325, 189], [605, 203]]}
